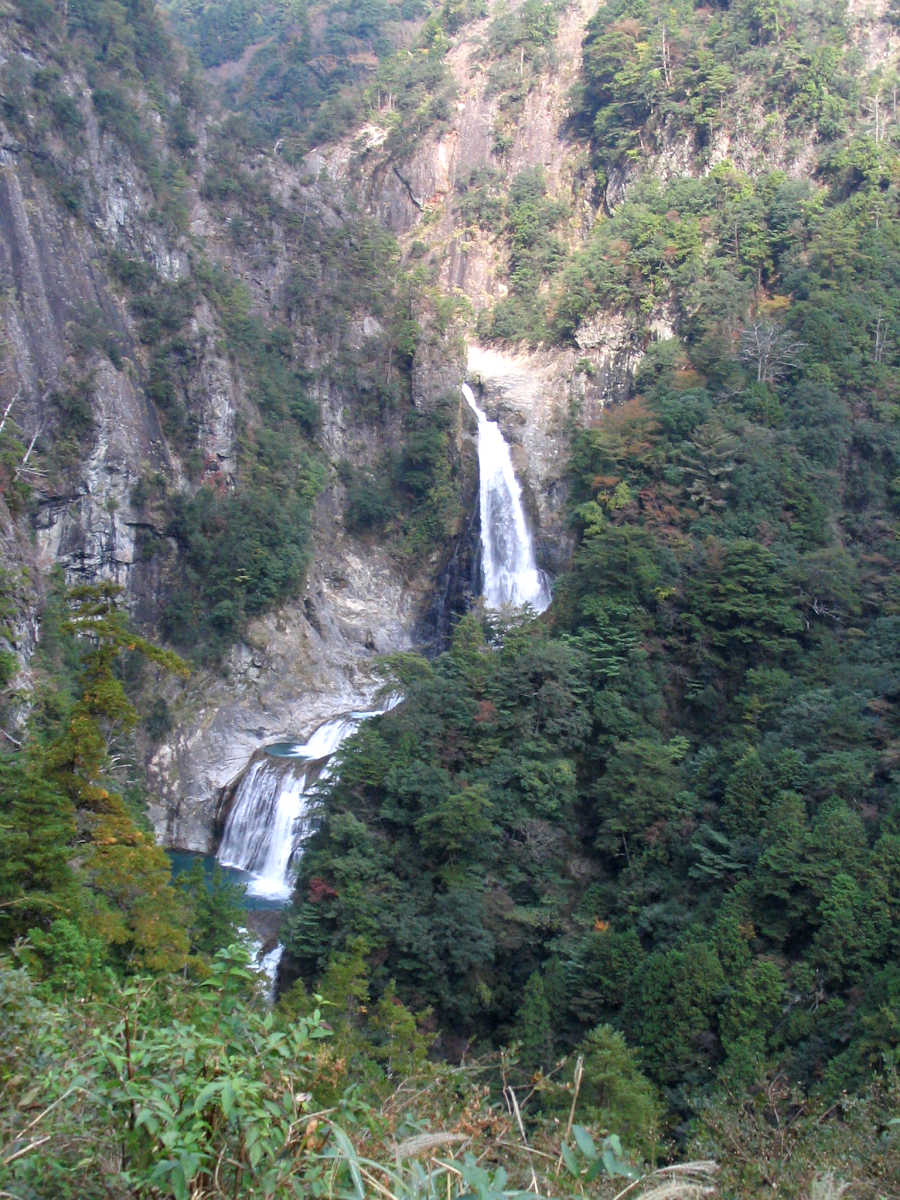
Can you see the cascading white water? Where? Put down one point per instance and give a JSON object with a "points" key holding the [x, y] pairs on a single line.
{"points": [[260, 834], [265, 825], [511, 575]]}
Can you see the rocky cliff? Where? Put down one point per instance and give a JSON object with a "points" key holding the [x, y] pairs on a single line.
{"points": [[161, 281], [96, 218]]}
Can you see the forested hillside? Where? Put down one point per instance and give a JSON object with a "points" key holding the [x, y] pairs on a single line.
{"points": [[670, 806], [614, 893]]}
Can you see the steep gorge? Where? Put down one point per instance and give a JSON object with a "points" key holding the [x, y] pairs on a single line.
{"points": [[647, 842], [85, 198], [81, 361]]}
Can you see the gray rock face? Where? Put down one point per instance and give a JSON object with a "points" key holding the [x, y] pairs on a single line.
{"points": [[310, 661], [52, 284], [316, 656]]}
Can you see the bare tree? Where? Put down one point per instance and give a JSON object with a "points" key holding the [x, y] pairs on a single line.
{"points": [[873, 104], [666, 59], [7, 411], [881, 332], [771, 349]]}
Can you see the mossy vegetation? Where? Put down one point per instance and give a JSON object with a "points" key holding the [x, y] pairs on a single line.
{"points": [[306, 66]]}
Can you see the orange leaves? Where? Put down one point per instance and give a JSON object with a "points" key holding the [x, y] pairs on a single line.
{"points": [[686, 378], [320, 889]]}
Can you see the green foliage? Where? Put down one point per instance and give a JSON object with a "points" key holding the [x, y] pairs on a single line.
{"points": [[413, 93], [519, 47], [117, 886], [456, 13], [615, 1094], [651, 69], [535, 253], [412, 496], [531, 26], [589, 1162], [533, 1028], [215, 905], [36, 828], [14, 486], [369, 503], [188, 1086], [73, 963], [306, 67], [72, 425], [242, 554], [662, 810], [480, 201], [220, 33]]}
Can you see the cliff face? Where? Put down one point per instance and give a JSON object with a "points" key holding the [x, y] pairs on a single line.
{"points": [[139, 243], [414, 192], [79, 222], [53, 279]]}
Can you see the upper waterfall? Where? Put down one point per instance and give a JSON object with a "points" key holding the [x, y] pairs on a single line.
{"points": [[511, 575]]}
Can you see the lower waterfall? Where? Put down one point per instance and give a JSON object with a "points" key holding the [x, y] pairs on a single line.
{"points": [[268, 819], [262, 832], [266, 825]]}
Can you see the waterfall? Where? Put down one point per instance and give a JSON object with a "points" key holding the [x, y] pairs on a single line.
{"points": [[511, 576], [266, 823], [268, 964], [268, 819], [262, 827]]}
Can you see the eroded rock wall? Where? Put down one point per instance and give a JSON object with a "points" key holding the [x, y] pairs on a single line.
{"points": [[68, 327]]}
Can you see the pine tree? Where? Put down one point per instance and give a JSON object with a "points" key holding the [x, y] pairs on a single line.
{"points": [[533, 1027], [37, 825]]}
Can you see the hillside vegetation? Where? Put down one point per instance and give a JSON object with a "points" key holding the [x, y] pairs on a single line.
{"points": [[613, 888]]}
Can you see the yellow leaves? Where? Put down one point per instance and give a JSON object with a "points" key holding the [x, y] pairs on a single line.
{"points": [[109, 926], [161, 943], [601, 926], [133, 877], [774, 305], [314, 1136]]}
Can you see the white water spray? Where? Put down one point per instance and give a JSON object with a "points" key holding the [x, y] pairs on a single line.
{"points": [[269, 817], [511, 575]]}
